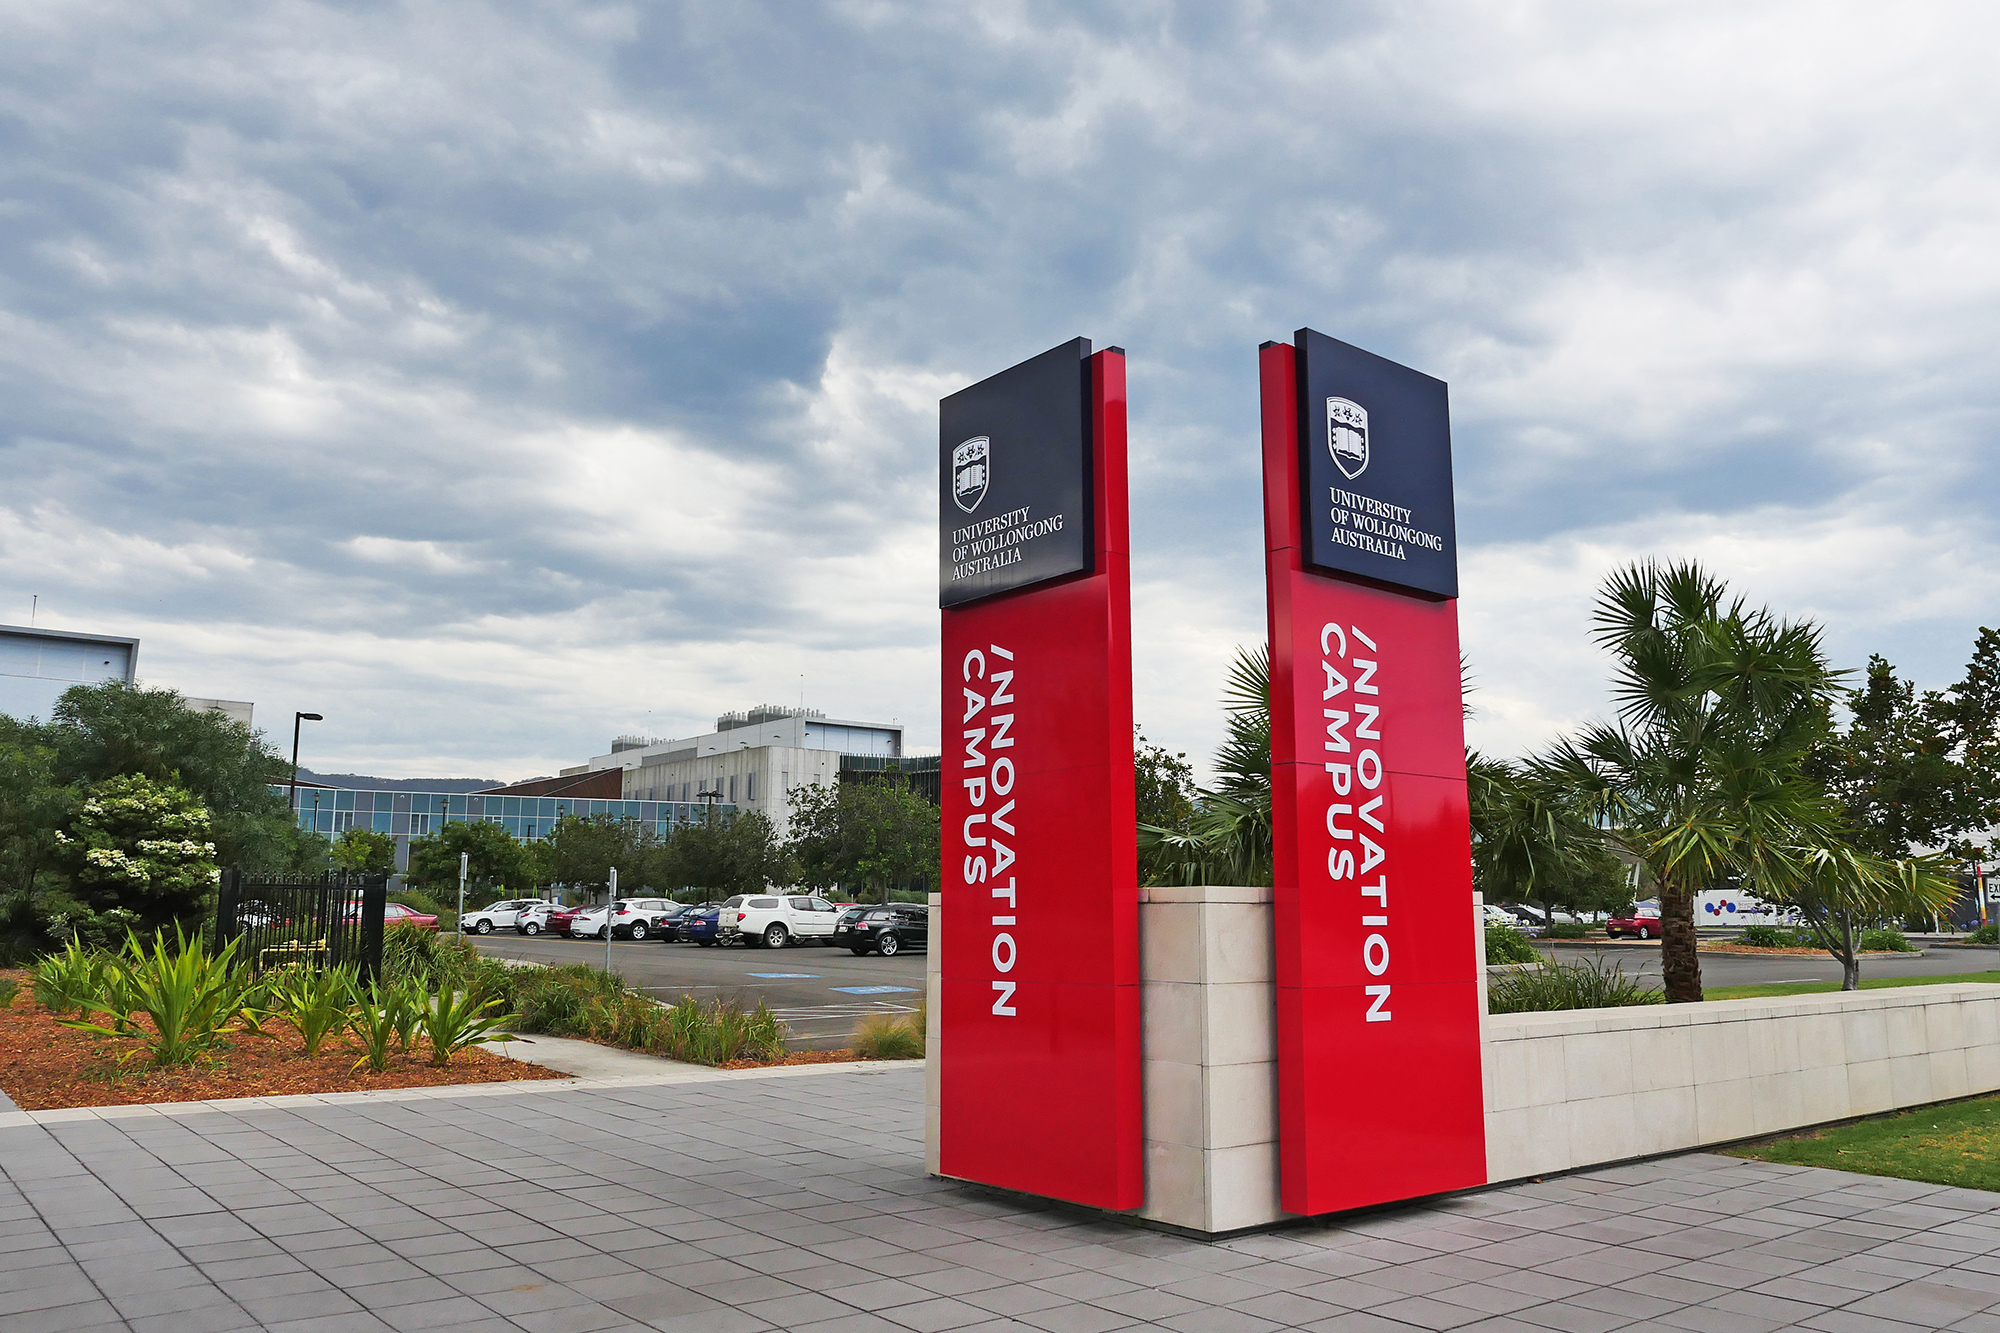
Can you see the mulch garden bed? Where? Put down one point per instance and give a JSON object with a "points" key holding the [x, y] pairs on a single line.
{"points": [[839, 1057], [45, 1066]]}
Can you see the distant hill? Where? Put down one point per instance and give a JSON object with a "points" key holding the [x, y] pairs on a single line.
{"points": [[361, 782]]}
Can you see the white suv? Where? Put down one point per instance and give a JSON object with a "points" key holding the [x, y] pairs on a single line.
{"points": [[506, 912], [775, 920]]}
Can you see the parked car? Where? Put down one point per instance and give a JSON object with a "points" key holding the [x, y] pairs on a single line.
{"points": [[677, 914], [396, 913], [1644, 923], [534, 919], [775, 920], [506, 912], [698, 925], [884, 930], [255, 912], [563, 920], [638, 918], [1496, 915]]}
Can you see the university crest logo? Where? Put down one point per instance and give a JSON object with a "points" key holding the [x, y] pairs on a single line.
{"points": [[1347, 436], [970, 466]]}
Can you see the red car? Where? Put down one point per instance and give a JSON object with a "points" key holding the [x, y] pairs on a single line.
{"points": [[1644, 923], [409, 916], [559, 919]]}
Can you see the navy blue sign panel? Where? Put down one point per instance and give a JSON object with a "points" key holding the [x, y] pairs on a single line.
{"points": [[1375, 469], [1014, 468]]}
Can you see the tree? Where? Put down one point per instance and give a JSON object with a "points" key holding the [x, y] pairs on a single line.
{"points": [[496, 863], [583, 849], [114, 729], [365, 852], [1838, 888], [878, 835], [1228, 840], [34, 806], [1164, 785], [741, 854], [142, 849], [1701, 777], [1916, 770], [1533, 841]]}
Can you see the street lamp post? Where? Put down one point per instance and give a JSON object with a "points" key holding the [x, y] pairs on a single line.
{"points": [[293, 797]]}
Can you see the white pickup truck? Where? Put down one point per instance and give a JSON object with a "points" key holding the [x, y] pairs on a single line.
{"points": [[775, 919]]}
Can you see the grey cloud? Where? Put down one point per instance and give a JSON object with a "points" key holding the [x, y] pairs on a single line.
{"points": [[634, 315]]}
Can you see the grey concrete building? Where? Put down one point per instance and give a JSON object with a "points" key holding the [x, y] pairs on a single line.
{"points": [[754, 759]]}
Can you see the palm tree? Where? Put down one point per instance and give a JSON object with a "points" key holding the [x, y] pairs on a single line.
{"points": [[1532, 838], [1229, 841], [1718, 704]]}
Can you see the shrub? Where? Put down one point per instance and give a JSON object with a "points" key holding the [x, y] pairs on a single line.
{"points": [[1765, 937], [71, 979], [455, 1020], [889, 1037], [1583, 985], [562, 1001], [383, 1015], [716, 1032], [189, 994], [435, 961], [1986, 934], [1886, 939], [491, 979], [420, 901], [1566, 930], [8, 987], [1504, 944], [313, 1000]]}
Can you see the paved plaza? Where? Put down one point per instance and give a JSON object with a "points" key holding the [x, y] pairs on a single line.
{"points": [[796, 1199]]}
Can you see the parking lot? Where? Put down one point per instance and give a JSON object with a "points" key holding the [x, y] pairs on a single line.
{"points": [[820, 993]]}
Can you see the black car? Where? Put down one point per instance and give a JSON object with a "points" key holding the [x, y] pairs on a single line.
{"points": [[884, 930]]}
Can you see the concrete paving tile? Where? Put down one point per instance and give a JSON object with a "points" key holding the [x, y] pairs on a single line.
{"points": [[1426, 1312], [937, 1315], [1849, 1321], [1358, 1321], [449, 1312], [1221, 1321], [1705, 1319]]}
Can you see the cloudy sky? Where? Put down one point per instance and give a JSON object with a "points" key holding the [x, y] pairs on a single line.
{"points": [[497, 379]]}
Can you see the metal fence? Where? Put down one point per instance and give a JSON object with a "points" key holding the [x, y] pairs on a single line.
{"points": [[322, 920]]}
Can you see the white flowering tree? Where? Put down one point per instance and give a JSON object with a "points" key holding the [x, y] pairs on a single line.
{"points": [[143, 848]]}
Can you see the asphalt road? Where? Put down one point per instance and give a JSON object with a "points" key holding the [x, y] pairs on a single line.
{"points": [[820, 993], [1722, 969]]}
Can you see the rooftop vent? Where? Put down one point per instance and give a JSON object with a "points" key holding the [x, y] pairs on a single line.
{"points": [[762, 713], [631, 743]]}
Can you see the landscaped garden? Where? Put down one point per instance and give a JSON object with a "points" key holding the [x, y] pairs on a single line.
{"points": [[171, 1019]]}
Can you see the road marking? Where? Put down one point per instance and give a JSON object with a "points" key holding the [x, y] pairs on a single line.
{"points": [[818, 1013], [785, 976], [875, 990]]}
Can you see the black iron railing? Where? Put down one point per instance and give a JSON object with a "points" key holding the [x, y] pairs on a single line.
{"points": [[321, 920]]}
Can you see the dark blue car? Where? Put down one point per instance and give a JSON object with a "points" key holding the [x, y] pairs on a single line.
{"points": [[698, 925]]}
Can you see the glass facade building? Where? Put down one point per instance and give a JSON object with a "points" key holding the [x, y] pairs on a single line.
{"points": [[416, 814]]}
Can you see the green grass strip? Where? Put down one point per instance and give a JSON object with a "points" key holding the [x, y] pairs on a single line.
{"points": [[1954, 1144], [1867, 983]]}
